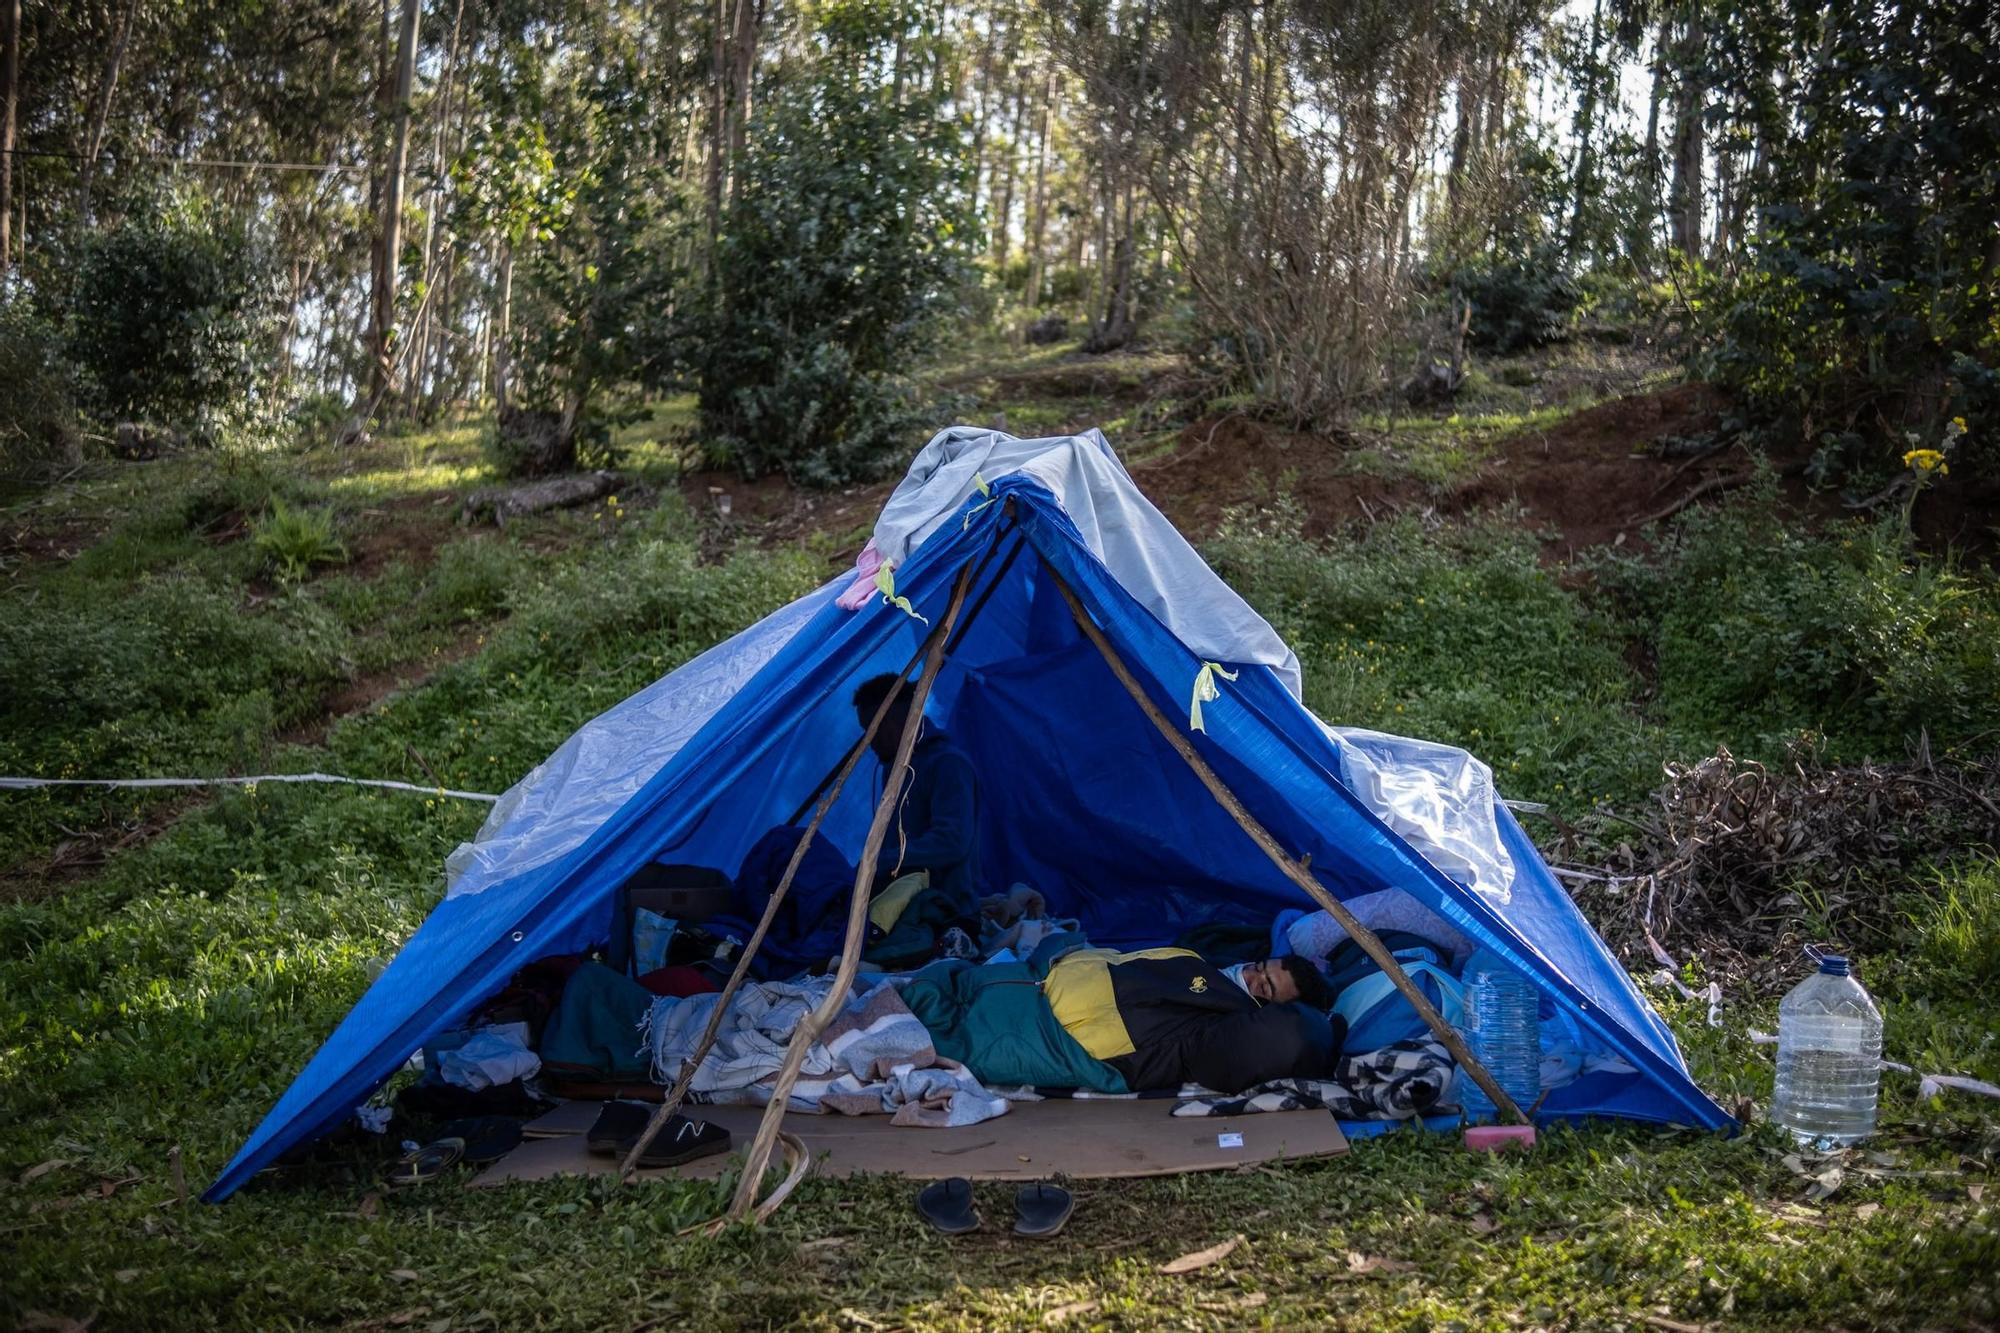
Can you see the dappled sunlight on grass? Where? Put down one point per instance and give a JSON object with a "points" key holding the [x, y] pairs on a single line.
{"points": [[410, 479]]}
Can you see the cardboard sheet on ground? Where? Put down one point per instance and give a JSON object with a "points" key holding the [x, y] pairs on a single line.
{"points": [[1085, 1140]]}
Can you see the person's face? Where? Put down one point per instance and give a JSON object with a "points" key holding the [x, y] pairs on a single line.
{"points": [[886, 736], [1270, 982]]}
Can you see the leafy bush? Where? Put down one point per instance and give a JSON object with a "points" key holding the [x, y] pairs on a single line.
{"points": [[1871, 308], [168, 316], [474, 578], [848, 232], [584, 192], [1458, 635], [1762, 630], [37, 393], [295, 540], [1519, 300]]}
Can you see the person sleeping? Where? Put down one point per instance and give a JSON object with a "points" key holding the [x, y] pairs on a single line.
{"points": [[1098, 1019], [1166, 1017]]}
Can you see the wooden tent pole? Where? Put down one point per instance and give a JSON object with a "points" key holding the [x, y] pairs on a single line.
{"points": [[1295, 870], [813, 1024], [827, 794], [678, 1094]]}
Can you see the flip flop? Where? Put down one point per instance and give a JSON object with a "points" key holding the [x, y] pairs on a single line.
{"points": [[618, 1123], [1041, 1209], [487, 1138], [679, 1140], [425, 1164], [947, 1206]]}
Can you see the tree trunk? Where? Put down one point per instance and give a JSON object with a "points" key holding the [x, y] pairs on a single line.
{"points": [[1463, 136], [718, 114], [1690, 139], [1640, 237], [1039, 228], [749, 21], [502, 360], [1240, 141], [10, 80], [1586, 130], [1003, 231], [100, 108], [382, 372]]}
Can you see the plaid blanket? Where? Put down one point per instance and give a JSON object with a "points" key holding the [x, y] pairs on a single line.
{"points": [[874, 1058], [1397, 1082]]}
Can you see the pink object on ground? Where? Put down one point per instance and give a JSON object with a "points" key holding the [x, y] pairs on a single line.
{"points": [[863, 587], [1498, 1138]]}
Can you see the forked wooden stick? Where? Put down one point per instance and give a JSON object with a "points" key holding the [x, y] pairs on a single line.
{"points": [[813, 1024], [1370, 943]]}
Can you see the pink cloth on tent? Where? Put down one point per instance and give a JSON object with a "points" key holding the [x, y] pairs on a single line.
{"points": [[865, 566]]}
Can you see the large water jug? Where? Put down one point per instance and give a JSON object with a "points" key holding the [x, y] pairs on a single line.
{"points": [[1504, 1031], [1829, 1059]]}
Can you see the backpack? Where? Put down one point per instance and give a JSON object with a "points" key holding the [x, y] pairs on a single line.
{"points": [[1377, 1014]]}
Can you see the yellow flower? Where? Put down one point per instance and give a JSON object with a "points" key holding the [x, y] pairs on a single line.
{"points": [[1927, 460]]}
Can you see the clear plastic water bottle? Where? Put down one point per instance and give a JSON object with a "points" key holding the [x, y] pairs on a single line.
{"points": [[1829, 1059], [1503, 1028]]}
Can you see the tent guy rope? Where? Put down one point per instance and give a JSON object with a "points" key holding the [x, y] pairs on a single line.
{"points": [[31, 784]]}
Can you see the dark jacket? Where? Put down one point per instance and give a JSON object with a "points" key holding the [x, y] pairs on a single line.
{"points": [[1164, 1017], [936, 827]]}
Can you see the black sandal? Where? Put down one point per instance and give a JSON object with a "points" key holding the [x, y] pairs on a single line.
{"points": [[425, 1164], [1041, 1209], [679, 1140], [947, 1206], [487, 1138], [618, 1123]]}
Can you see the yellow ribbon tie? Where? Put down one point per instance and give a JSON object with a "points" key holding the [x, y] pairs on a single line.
{"points": [[984, 490], [885, 583], [1205, 691]]}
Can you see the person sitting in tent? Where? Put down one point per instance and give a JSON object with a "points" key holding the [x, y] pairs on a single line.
{"points": [[926, 902], [937, 817]]}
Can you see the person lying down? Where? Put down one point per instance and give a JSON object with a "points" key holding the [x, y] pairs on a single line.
{"points": [[1073, 1016]]}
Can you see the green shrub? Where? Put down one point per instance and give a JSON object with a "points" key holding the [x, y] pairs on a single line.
{"points": [[1458, 634], [847, 235], [296, 540], [473, 578], [1519, 300], [38, 427], [1955, 928], [1762, 630], [168, 315]]}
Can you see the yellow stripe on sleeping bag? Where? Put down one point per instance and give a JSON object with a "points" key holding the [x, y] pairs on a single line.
{"points": [[1079, 992]]}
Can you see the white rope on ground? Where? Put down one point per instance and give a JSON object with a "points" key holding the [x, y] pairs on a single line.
{"points": [[29, 784]]}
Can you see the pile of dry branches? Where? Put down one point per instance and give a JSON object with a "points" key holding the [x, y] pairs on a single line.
{"points": [[1744, 863]]}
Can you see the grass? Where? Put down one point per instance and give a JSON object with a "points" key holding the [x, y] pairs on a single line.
{"points": [[163, 999]]}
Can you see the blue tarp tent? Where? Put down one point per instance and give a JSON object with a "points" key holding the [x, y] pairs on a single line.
{"points": [[1091, 805]]}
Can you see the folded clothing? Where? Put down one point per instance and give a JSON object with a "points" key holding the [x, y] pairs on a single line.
{"points": [[490, 1057]]}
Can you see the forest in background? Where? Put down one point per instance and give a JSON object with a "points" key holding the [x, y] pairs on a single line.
{"points": [[227, 221]]}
